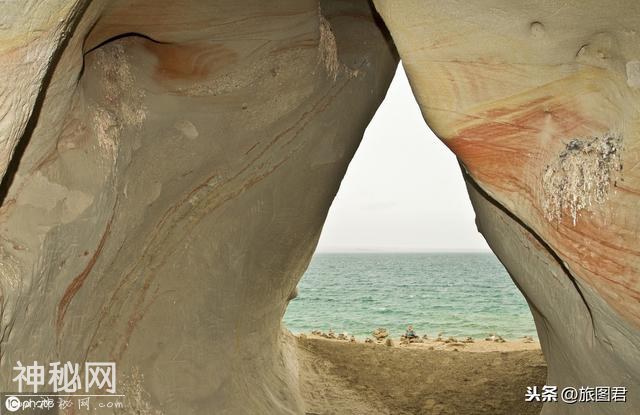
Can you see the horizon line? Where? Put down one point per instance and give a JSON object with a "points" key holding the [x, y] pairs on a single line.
{"points": [[407, 251]]}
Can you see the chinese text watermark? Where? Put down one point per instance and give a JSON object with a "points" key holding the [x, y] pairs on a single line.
{"points": [[572, 395], [67, 377]]}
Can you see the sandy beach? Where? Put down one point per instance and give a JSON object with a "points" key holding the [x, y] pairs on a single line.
{"points": [[433, 377]]}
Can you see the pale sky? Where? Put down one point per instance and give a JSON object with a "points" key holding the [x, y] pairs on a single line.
{"points": [[403, 190]]}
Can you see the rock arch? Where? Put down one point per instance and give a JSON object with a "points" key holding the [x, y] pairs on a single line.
{"points": [[168, 167]]}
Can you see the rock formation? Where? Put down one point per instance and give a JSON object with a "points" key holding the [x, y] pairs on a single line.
{"points": [[539, 101], [178, 160], [168, 165]]}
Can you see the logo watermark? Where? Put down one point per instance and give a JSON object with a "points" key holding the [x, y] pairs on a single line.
{"points": [[48, 389]]}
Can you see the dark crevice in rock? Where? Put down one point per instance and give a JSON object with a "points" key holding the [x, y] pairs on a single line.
{"points": [[539, 239], [125, 35], [22, 143], [114, 39]]}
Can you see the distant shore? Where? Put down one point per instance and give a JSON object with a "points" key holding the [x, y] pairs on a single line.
{"points": [[491, 343]]}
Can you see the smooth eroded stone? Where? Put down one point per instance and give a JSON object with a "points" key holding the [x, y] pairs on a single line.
{"points": [[173, 189], [539, 101]]}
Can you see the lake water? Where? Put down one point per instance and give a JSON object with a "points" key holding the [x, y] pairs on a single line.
{"points": [[460, 294]]}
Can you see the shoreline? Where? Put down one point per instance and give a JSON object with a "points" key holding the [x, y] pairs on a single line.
{"points": [[489, 344]]}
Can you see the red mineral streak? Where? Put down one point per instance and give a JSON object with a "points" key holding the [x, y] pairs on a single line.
{"points": [[503, 148], [498, 143], [76, 284], [189, 61]]}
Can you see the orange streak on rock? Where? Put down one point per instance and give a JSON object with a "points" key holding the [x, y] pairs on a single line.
{"points": [[191, 62], [506, 148]]}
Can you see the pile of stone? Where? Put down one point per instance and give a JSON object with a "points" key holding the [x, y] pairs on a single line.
{"points": [[329, 335], [380, 334], [332, 335], [495, 338], [453, 342], [407, 340]]}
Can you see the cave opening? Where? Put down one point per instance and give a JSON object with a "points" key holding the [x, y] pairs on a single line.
{"points": [[400, 248]]}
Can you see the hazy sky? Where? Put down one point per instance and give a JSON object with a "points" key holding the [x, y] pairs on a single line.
{"points": [[403, 190]]}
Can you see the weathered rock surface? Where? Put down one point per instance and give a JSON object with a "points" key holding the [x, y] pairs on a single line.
{"points": [[167, 167], [539, 101], [180, 163]]}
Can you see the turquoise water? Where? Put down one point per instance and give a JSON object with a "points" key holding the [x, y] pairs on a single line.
{"points": [[460, 294]]}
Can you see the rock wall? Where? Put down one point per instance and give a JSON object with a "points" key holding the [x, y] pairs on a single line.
{"points": [[539, 101], [177, 174], [167, 167]]}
